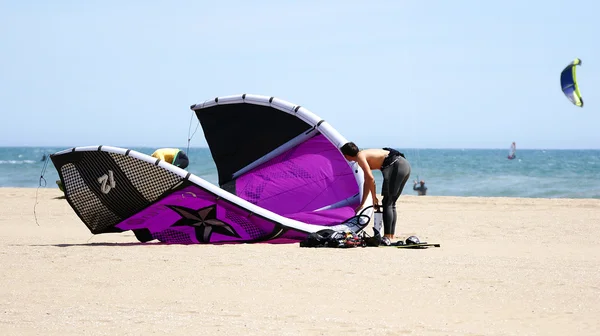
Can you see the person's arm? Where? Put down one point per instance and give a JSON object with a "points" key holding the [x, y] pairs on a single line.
{"points": [[369, 185]]}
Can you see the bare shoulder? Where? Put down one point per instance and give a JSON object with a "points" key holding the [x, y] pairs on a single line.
{"points": [[374, 153], [373, 156]]}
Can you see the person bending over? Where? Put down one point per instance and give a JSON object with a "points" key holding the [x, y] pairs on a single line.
{"points": [[395, 170]]}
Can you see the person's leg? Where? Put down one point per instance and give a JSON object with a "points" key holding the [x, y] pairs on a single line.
{"points": [[394, 179], [386, 197], [402, 175]]}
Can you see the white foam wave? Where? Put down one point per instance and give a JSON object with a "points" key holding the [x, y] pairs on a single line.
{"points": [[17, 161]]}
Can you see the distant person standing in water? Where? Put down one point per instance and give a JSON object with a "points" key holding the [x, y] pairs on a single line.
{"points": [[395, 170], [421, 189]]}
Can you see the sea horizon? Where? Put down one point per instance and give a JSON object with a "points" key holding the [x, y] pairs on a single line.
{"points": [[374, 146], [535, 173]]}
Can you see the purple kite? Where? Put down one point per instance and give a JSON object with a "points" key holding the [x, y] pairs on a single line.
{"points": [[281, 177]]}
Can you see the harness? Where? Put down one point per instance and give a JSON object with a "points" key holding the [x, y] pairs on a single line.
{"points": [[391, 158]]}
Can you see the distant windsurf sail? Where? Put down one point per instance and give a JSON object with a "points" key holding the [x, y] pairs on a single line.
{"points": [[568, 83], [281, 177], [512, 152]]}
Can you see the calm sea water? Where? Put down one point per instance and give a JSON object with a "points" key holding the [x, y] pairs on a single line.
{"points": [[454, 172]]}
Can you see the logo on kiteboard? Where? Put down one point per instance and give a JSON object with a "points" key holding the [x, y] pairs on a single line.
{"points": [[107, 182]]}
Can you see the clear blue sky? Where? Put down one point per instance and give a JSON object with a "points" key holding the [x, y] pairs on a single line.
{"points": [[426, 74]]}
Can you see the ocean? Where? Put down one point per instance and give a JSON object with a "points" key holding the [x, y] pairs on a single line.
{"points": [[447, 172]]}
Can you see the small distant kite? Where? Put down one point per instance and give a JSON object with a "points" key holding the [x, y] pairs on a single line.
{"points": [[568, 83]]}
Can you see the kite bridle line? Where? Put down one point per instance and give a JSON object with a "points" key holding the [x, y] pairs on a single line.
{"points": [[44, 166], [418, 163], [189, 131]]}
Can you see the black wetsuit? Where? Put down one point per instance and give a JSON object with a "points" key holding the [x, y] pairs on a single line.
{"points": [[396, 171]]}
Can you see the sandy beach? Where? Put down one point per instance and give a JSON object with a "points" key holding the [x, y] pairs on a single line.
{"points": [[506, 266]]}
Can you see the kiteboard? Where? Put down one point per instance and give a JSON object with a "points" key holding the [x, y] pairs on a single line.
{"points": [[412, 242], [422, 245]]}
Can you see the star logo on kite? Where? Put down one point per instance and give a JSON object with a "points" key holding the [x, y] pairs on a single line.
{"points": [[204, 221]]}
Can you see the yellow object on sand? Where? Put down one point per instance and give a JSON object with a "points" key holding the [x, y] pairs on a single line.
{"points": [[166, 154]]}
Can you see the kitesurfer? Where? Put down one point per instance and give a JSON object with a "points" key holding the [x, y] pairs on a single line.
{"points": [[395, 170], [513, 149], [173, 156], [421, 189]]}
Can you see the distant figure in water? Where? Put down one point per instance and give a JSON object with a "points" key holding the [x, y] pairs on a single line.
{"points": [[512, 153], [44, 157], [173, 156], [422, 189]]}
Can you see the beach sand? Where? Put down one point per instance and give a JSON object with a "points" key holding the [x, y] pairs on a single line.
{"points": [[506, 266]]}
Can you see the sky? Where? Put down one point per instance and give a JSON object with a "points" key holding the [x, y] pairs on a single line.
{"points": [[403, 74]]}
